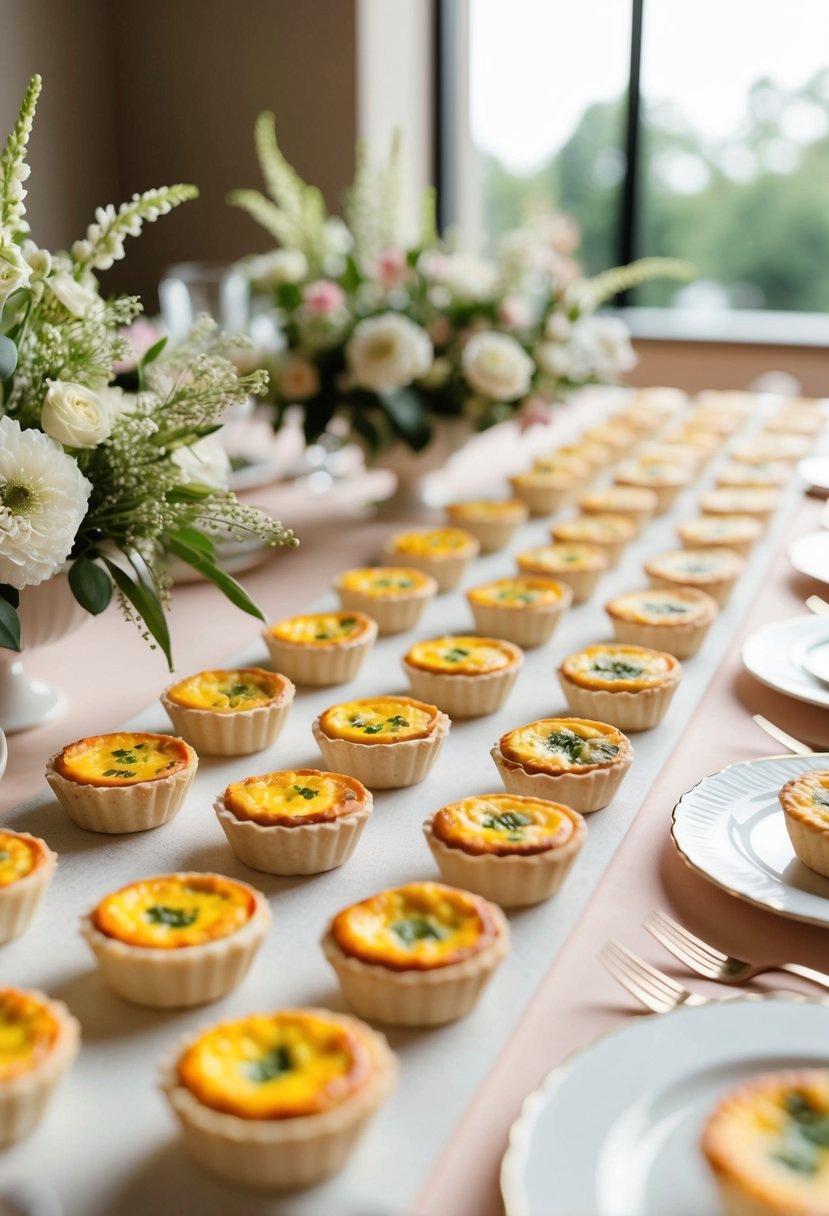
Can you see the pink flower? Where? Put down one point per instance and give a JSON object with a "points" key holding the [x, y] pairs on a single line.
{"points": [[391, 268], [323, 297], [514, 312], [534, 411], [141, 335]]}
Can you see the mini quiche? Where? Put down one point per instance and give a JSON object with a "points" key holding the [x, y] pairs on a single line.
{"points": [[613, 434], [672, 451], [712, 418], [230, 713], [574, 761], [760, 504], [394, 596], [789, 448], [417, 955], [278, 1100], [27, 866], [579, 565], [714, 571], [663, 398], [123, 782], [666, 479], [637, 502], [767, 1145], [39, 1040], [613, 533], [177, 939], [444, 553], [547, 487], [704, 442], [674, 619], [739, 533], [629, 686], [513, 850], [468, 677], [758, 474], [297, 821], [597, 455], [805, 803], [524, 610], [321, 647], [795, 421], [385, 742], [493, 522]]}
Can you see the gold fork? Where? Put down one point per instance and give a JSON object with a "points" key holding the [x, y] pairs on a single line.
{"points": [[789, 741], [655, 990], [713, 964]]}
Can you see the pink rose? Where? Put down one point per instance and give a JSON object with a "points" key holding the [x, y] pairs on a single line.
{"points": [[514, 312], [141, 335], [391, 268], [534, 411], [323, 297]]}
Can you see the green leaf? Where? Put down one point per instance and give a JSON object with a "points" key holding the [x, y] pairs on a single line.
{"points": [[318, 413], [8, 357], [152, 354], [407, 414], [182, 436], [90, 584], [288, 296], [351, 278], [146, 603], [10, 594], [191, 492], [197, 540], [9, 626], [206, 566], [368, 432]]}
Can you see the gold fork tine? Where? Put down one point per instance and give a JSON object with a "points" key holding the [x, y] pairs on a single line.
{"points": [[817, 605], [650, 987], [681, 941], [648, 976], [789, 741]]}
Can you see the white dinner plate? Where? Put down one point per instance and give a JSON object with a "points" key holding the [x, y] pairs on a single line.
{"points": [[779, 655], [731, 829], [810, 555], [815, 472], [615, 1131]]}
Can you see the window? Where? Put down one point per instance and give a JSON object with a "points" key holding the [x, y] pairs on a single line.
{"points": [[730, 111]]}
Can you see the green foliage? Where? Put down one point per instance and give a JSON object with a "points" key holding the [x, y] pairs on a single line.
{"points": [[9, 625], [90, 585]]}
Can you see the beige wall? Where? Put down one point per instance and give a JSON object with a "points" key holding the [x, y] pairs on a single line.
{"points": [[140, 95], [698, 365]]}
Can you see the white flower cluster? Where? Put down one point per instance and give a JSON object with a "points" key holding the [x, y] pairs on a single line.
{"points": [[388, 352], [43, 499], [497, 366], [104, 242], [13, 168]]}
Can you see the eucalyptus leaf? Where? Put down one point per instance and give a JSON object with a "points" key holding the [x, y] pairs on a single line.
{"points": [[408, 415], [8, 357], [206, 566], [152, 354], [10, 594], [9, 626], [90, 584], [146, 604]]}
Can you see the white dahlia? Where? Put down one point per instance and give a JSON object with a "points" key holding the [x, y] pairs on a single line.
{"points": [[388, 352], [497, 366], [43, 498]]}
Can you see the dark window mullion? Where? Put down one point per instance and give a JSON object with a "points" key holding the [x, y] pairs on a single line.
{"points": [[629, 201]]}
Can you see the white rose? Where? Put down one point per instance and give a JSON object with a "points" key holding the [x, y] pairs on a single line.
{"points": [[600, 348], [298, 379], [15, 271], [204, 462], [75, 415], [558, 326], [552, 359], [497, 366], [39, 261], [280, 266], [468, 278], [388, 352], [74, 296], [117, 401]]}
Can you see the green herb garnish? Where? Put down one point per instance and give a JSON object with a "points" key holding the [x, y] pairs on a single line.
{"points": [[565, 741], [4, 855], [126, 754], [617, 669], [455, 654], [124, 773], [417, 929], [807, 1132], [397, 721], [305, 792], [176, 918], [662, 608], [821, 797], [373, 730], [508, 821], [271, 1066]]}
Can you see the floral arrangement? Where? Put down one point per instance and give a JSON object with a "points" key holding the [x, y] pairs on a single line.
{"points": [[111, 481], [392, 335]]}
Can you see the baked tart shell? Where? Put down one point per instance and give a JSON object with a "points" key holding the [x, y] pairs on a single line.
{"points": [[584, 792], [528, 626], [192, 975], [447, 570], [465, 696], [393, 614], [682, 640], [280, 1154], [126, 808], [20, 900], [240, 733], [24, 1098], [302, 848], [491, 534], [305, 663], [639, 710], [383, 766]]}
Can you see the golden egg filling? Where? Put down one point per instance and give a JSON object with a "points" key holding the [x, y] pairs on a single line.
{"points": [[595, 529], [619, 668], [228, 692], [20, 856], [417, 927], [696, 565], [379, 720], [771, 447], [560, 557], [653, 471], [457, 655], [174, 911], [806, 797], [504, 825], [563, 745], [384, 582], [554, 470], [619, 500], [123, 758], [718, 531], [485, 509], [434, 543], [739, 502], [28, 1032], [664, 607], [768, 1143], [322, 629], [283, 1065], [517, 593], [292, 796], [759, 473]]}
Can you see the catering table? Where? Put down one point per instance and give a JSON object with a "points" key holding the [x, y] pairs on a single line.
{"points": [[435, 1149]]}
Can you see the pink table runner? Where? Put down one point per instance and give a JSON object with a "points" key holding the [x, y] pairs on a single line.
{"points": [[577, 1000]]}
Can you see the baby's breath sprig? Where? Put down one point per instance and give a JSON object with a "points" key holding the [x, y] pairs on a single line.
{"points": [[104, 241]]}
